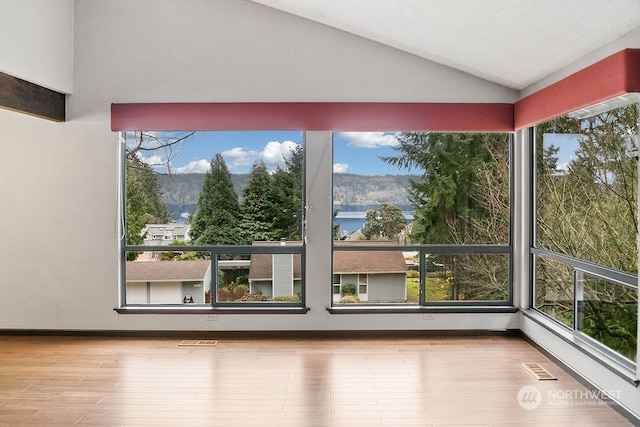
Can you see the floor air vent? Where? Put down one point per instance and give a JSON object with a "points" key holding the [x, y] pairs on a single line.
{"points": [[538, 371], [198, 343]]}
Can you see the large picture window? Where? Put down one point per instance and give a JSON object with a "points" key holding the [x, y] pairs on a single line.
{"points": [[425, 217], [213, 218], [586, 224]]}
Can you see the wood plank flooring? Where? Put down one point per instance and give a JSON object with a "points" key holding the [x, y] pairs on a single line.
{"points": [[430, 381]]}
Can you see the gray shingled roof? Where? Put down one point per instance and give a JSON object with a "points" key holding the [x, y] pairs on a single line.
{"points": [[343, 261], [165, 271], [368, 262]]}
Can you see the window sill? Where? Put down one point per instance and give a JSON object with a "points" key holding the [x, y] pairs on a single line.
{"points": [[372, 309], [205, 310], [604, 357]]}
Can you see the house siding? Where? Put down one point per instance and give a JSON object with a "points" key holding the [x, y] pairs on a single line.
{"points": [[282, 274], [137, 293], [387, 288], [166, 293], [195, 289], [262, 287]]}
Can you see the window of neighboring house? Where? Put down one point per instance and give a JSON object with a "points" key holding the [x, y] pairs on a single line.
{"points": [[362, 283], [336, 286], [362, 286], [586, 224], [336, 291], [240, 195], [422, 217]]}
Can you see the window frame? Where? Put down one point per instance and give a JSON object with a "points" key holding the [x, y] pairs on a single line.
{"points": [[214, 306], [580, 266], [423, 305]]}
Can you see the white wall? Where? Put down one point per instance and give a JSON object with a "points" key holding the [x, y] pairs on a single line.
{"points": [[58, 193], [37, 43], [60, 270], [231, 50]]}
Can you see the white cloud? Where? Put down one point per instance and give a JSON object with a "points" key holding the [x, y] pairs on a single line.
{"points": [[196, 166], [370, 139], [274, 153], [152, 160], [340, 167], [238, 157]]}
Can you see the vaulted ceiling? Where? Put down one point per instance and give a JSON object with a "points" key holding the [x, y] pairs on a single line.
{"points": [[511, 42]]}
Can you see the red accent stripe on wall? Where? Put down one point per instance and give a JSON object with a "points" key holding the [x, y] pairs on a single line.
{"points": [[613, 76], [334, 116]]}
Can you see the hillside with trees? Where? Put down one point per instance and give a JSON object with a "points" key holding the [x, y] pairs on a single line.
{"points": [[351, 192]]}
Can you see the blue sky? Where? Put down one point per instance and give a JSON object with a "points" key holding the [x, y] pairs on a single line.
{"points": [[567, 143], [354, 152]]}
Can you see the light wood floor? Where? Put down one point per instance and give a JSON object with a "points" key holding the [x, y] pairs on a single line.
{"points": [[413, 381]]}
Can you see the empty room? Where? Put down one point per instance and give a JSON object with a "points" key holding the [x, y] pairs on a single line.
{"points": [[319, 212]]}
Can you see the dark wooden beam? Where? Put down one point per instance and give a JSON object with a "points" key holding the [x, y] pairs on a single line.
{"points": [[25, 97]]}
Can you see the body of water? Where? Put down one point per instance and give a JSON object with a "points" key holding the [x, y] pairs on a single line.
{"points": [[349, 221], [352, 221]]}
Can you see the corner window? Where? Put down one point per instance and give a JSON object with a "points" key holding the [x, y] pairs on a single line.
{"points": [[586, 224], [213, 219]]}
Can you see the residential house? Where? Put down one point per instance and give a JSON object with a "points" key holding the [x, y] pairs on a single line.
{"points": [[378, 276], [168, 282], [164, 235], [275, 274]]}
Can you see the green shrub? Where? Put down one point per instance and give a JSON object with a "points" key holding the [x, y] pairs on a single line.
{"points": [[348, 289], [413, 274]]}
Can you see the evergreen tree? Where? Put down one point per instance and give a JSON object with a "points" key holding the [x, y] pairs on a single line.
{"points": [[287, 195], [143, 203], [371, 229], [385, 223], [156, 212], [257, 208], [462, 198], [444, 197], [135, 202], [151, 187], [216, 222]]}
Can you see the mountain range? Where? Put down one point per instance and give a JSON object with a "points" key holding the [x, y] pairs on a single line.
{"points": [[350, 192]]}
